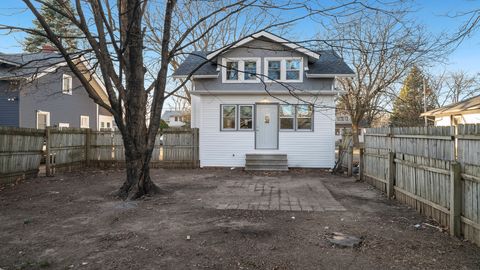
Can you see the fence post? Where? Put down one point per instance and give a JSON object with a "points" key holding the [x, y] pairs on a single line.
{"points": [[455, 199], [88, 133], [350, 160], [196, 142], [47, 152], [391, 174], [361, 165]]}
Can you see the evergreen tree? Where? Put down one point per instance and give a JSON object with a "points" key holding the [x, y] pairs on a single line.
{"points": [[59, 24], [409, 104]]}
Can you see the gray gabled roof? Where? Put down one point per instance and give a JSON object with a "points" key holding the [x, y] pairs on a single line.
{"points": [[167, 114], [329, 63], [196, 63], [25, 65]]}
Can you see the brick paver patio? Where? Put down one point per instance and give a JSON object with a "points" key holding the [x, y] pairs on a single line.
{"points": [[272, 193]]}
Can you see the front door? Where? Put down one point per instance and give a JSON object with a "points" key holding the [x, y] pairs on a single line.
{"points": [[266, 126]]}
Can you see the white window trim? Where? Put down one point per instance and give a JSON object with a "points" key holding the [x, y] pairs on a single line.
{"points": [[45, 113], [283, 68], [88, 121], [253, 116], [241, 69], [63, 125], [70, 90], [221, 118]]}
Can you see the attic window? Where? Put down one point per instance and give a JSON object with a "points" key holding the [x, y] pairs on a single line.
{"points": [[67, 84], [232, 70], [240, 70]]}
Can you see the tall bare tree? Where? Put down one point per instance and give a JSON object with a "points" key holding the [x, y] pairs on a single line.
{"points": [[381, 49], [117, 38]]}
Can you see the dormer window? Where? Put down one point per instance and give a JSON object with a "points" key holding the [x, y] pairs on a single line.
{"points": [[250, 68], [284, 69], [232, 70], [274, 70], [293, 69], [67, 84], [240, 70]]}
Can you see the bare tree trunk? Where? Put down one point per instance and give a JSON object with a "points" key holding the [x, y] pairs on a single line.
{"points": [[356, 141]]}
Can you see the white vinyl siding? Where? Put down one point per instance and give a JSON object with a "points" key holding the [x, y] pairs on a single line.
{"points": [[314, 149]]}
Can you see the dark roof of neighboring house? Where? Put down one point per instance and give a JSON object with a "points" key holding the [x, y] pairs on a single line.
{"points": [[167, 114], [466, 106], [329, 63], [23, 65]]}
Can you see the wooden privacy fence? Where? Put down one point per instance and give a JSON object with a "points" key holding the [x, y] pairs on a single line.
{"points": [[72, 148], [436, 170], [20, 153]]}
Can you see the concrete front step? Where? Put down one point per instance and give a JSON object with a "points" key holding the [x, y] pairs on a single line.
{"points": [[266, 162]]}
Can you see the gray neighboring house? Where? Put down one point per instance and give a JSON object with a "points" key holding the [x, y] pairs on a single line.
{"points": [[39, 90], [252, 102]]}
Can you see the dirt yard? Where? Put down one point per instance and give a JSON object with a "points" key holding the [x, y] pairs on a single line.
{"points": [[217, 219]]}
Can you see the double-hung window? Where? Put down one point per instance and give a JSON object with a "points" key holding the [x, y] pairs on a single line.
{"points": [[292, 67], [67, 84], [287, 117], [245, 117], [240, 70], [229, 117], [289, 69], [304, 117], [237, 117], [296, 117], [274, 70], [84, 121], [232, 70]]}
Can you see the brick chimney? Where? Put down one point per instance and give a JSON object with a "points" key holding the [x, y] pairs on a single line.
{"points": [[47, 48]]}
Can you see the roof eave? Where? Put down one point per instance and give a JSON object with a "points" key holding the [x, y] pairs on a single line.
{"points": [[310, 75], [268, 35]]}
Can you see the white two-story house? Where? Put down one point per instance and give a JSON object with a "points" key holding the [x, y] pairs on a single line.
{"points": [[264, 102]]}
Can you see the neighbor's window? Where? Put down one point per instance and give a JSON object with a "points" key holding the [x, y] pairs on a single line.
{"points": [[274, 69], [287, 115], [67, 84], [250, 70], [232, 70], [228, 117], [84, 121], [246, 116], [293, 69], [304, 117]]}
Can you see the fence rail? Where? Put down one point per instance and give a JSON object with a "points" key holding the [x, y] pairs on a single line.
{"points": [[435, 170], [21, 150]]}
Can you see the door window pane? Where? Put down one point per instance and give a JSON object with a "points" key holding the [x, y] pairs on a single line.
{"points": [[228, 116], [286, 116], [250, 70], [274, 70], [246, 116], [232, 70]]}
